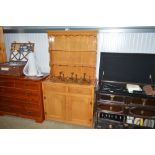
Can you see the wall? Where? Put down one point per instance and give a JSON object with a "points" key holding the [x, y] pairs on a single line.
{"points": [[41, 46], [129, 42], [125, 43]]}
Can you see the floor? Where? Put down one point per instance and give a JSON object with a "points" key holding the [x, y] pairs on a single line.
{"points": [[12, 122]]}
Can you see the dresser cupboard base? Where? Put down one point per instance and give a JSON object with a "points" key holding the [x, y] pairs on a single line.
{"points": [[69, 103]]}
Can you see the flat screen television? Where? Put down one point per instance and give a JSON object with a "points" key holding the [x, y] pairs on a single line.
{"points": [[124, 67]]}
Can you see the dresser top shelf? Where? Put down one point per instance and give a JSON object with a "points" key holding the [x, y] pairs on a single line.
{"points": [[30, 78]]}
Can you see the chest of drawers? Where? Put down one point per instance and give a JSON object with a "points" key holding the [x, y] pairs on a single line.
{"points": [[22, 96], [116, 110]]}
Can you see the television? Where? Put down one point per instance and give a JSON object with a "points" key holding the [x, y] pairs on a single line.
{"points": [[127, 67]]}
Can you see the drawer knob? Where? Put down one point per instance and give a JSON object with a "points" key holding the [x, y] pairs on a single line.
{"points": [[110, 126], [126, 107], [144, 102], [29, 112], [142, 112], [28, 93], [110, 107], [112, 97], [29, 102]]}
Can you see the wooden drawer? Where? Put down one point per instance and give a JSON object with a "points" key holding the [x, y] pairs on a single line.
{"points": [[4, 108], [18, 102], [150, 102], [31, 112], [103, 97], [109, 125], [6, 82], [79, 90], [20, 110], [112, 108], [33, 96], [27, 85], [134, 100], [54, 88], [111, 97], [141, 101], [142, 112], [16, 109]]}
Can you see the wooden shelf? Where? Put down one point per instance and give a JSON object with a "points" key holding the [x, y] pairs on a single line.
{"points": [[76, 65], [54, 50]]}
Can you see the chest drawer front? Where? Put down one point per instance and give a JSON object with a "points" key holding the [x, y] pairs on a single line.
{"points": [[4, 108], [142, 112], [150, 102], [31, 112], [33, 97], [18, 102], [21, 109], [109, 125], [111, 108], [134, 100], [111, 97], [27, 85], [79, 90], [6, 82], [54, 88]]}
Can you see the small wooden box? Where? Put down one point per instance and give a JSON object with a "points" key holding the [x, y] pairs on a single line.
{"points": [[12, 68], [18, 58]]}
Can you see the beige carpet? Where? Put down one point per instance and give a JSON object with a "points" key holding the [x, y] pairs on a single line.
{"points": [[12, 122]]}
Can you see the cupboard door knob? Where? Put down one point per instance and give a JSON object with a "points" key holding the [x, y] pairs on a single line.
{"points": [[44, 97]]}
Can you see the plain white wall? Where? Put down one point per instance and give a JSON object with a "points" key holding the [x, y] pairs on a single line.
{"points": [[129, 42], [40, 49]]}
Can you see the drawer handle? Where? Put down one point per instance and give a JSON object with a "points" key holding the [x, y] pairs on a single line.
{"points": [[144, 102], [110, 126], [29, 112], [142, 112], [28, 93], [29, 102], [126, 108], [110, 107], [112, 97]]}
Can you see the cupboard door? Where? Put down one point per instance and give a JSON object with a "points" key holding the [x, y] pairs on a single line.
{"points": [[54, 105], [79, 110], [2, 49]]}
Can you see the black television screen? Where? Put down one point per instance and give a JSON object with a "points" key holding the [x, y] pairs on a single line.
{"points": [[135, 68]]}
